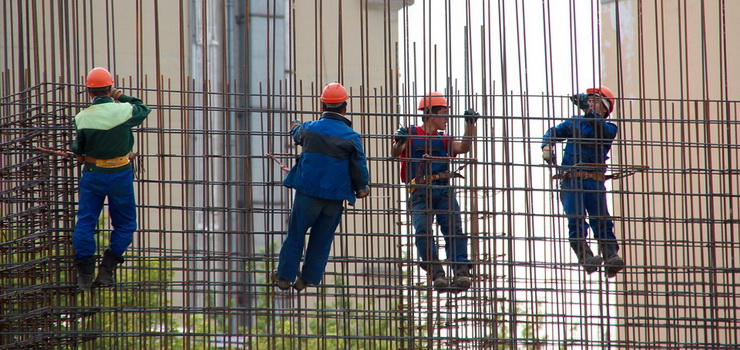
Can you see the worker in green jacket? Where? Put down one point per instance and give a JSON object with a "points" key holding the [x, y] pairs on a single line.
{"points": [[104, 141]]}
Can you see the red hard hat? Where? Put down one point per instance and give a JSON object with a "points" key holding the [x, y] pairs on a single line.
{"points": [[606, 93], [334, 93], [433, 99], [98, 78]]}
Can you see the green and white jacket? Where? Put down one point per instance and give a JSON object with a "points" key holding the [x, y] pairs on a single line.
{"points": [[104, 129]]}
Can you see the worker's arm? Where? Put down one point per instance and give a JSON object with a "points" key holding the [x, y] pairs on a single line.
{"points": [[464, 146], [78, 145], [140, 110], [295, 132], [359, 172], [552, 136], [399, 142]]}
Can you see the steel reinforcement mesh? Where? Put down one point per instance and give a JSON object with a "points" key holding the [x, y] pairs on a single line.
{"points": [[212, 211]]}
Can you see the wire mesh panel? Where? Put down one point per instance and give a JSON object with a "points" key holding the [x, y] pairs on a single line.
{"points": [[226, 79]]}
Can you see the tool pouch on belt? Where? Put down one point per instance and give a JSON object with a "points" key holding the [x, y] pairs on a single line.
{"points": [[422, 180], [580, 174]]}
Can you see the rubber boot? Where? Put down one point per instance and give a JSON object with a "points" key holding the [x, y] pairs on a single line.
{"points": [[462, 280], [585, 256], [85, 273], [613, 263], [436, 273], [107, 269]]}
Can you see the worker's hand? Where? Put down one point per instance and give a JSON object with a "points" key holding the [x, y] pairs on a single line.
{"points": [[581, 101], [294, 123], [547, 154], [363, 192], [115, 93], [401, 135], [471, 116]]}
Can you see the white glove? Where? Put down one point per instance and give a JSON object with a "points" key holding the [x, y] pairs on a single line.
{"points": [[547, 154]]}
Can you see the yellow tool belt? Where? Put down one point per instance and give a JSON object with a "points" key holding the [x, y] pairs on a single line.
{"points": [[579, 174], [108, 163]]}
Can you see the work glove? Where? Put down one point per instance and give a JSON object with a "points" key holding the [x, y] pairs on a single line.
{"points": [[580, 100], [115, 93], [401, 135], [471, 116], [547, 154], [363, 192], [294, 123]]}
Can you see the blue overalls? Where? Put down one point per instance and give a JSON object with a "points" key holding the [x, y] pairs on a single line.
{"points": [[435, 199]]}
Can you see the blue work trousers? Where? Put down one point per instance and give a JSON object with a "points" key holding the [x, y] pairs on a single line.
{"points": [[322, 216], [438, 201], [94, 188], [582, 198]]}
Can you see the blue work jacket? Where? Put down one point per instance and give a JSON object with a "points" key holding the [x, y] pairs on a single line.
{"points": [[332, 164], [589, 139]]}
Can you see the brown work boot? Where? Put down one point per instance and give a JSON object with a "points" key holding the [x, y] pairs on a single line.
{"points": [[613, 263], [280, 282], [585, 256], [437, 275], [463, 280], [301, 284]]}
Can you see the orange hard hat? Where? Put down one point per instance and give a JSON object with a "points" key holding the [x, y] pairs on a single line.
{"points": [[606, 93], [334, 93], [433, 99], [99, 78]]}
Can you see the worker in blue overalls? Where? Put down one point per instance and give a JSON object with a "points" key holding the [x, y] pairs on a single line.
{"points": [[589, 140]]}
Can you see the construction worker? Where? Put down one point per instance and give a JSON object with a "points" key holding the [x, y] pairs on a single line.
{"points": [[589, 139], [104, 141], [331, 168], [430, 191]]}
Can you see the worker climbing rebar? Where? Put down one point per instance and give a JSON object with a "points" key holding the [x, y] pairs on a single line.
{"points": [[430, 191], [104, 141], [331, 169], [589, 139]]}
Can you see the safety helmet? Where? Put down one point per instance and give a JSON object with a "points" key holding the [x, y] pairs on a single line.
{"points": [[334, 93], [606, 94], [99, 78], [433, 99]]}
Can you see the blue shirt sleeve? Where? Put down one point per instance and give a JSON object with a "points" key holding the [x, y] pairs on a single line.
{"points": [[297, 134], [358, 167], [558, 133]]}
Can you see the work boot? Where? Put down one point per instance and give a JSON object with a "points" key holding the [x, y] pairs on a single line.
{"points": [[301, 284], [613, 263], [280, 282], [462, 280], [85, 273], [436, 273], [107, 269], [585, 256]]}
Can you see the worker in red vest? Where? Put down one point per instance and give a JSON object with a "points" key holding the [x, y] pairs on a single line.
{"points": [[430, 191]]}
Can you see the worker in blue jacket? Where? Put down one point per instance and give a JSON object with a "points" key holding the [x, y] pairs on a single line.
{"points": [[331, 169], [589, 139]]}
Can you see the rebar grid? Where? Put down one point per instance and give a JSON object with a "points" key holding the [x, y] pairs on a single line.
{"points": [[212, 210]]}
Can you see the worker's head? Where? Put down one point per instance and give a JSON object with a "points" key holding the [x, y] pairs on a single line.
{"points": [[334, 98], [99, 82], [601, 100], [435, 109]]}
